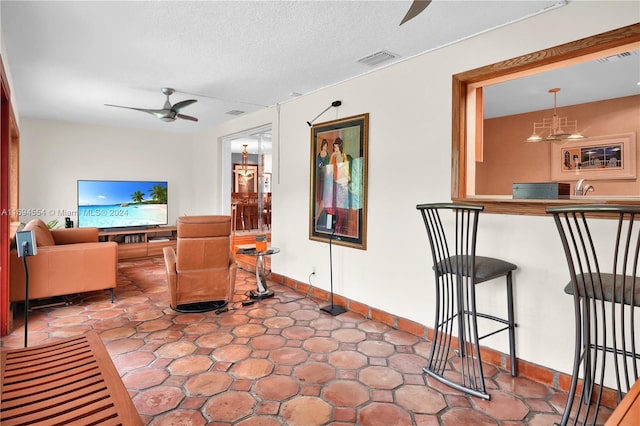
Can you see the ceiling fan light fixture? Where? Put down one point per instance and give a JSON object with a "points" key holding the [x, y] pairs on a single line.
{"points": [[169, 112]]}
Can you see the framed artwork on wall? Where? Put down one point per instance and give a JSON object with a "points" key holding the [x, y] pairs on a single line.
{"points": [[338, 192], [595, 158], [245, 182]]}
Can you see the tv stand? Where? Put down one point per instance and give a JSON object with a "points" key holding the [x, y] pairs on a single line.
{"points": [[140, 242], [126, 229]]}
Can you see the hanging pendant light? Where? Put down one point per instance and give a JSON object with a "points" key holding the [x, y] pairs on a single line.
{"points": [[553, 129], [244, 169]]}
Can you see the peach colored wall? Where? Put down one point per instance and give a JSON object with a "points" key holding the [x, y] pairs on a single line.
{"points": [[508, 158]]}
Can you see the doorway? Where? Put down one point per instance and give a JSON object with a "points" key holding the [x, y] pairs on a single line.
{"points": [[247, 174]]}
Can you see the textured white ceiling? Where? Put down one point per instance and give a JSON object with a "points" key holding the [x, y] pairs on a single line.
{"points": [[69, 58]]}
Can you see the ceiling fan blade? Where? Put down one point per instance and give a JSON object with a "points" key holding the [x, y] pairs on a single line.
{"points": [[415, 9], [133, 108], [179, 105], [159, 113], [187, 117], [120, 106]]}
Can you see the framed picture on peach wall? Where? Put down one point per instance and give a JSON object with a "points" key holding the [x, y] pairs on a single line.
{"points": [[338, 192], [595, 158]]}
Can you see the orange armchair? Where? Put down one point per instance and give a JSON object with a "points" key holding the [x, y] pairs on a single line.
{"points": [[69, 261], [201, 272]]}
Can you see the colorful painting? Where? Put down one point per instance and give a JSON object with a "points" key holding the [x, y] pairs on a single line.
{"points": [[338, 195]]}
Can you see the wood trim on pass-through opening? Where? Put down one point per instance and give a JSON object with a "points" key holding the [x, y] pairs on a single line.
{"points": [[528, 64]]}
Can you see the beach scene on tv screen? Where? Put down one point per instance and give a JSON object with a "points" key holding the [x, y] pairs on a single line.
{"points": [[113, 204]]}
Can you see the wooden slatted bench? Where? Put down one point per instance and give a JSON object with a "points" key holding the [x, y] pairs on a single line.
{"points": [[69, 381]]}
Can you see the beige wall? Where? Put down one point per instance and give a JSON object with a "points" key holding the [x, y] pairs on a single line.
{"points": [[508, 158]]}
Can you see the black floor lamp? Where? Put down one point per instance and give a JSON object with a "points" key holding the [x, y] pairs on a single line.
{"points": [[332, 309], [26, 245], [334, 104]]}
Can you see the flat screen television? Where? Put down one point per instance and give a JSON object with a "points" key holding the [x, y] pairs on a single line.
{"points": [[107, 204]]}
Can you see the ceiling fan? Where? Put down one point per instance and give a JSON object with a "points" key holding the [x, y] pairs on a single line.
{"points": [[415, 9], [168, 112]]}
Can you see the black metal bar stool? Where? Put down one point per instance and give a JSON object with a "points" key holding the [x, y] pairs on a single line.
{"points": [[601, 244], [453, 248]]}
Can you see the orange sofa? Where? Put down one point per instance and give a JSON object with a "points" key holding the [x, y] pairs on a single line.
{"points": [[68, 261]]}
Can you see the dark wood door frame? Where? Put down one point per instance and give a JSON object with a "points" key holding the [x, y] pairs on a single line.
{"points": [[9, 142]]}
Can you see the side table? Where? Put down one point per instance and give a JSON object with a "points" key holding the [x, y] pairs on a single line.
{"points": [[262, 291]]}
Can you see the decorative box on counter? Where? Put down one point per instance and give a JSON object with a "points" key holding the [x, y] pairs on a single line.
{"points": [[541, 190]]}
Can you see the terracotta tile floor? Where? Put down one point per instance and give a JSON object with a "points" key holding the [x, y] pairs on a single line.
{"points": [[280, 361]]}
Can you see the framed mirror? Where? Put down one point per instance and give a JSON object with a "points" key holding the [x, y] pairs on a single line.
{"points": [[496, 109]]}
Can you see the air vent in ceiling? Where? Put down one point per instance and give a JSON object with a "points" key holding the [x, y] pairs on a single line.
{"points": [[235, 112], [617, 57], [377, 58]]}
